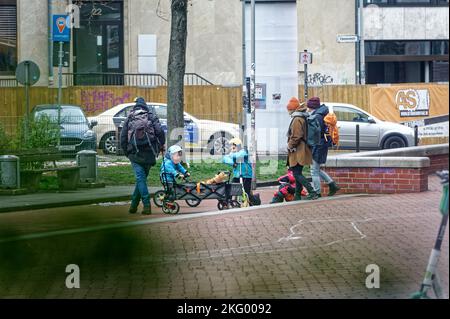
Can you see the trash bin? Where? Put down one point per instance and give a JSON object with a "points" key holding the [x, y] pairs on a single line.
{"points": [[10, 172], [88, 162]]}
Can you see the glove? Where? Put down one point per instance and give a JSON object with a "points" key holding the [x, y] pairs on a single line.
{"points": [[187, 175]]}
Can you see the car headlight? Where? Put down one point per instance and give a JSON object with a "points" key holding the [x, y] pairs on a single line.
{"points": [[89, 134]]}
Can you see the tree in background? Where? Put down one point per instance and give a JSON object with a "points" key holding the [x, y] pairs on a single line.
{"points": [[176, 71]]}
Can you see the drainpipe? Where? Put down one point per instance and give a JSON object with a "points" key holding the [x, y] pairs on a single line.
{"points": [[50, 43]]}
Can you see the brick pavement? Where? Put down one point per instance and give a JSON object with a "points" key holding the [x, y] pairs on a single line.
{"points": [[309, 250]]}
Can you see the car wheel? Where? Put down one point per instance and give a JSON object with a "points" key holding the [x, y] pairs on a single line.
{"points": [[394, 142], [109, 143], [220, 143]]}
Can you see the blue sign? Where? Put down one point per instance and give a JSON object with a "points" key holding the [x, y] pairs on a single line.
{"points": [[61, 30]]}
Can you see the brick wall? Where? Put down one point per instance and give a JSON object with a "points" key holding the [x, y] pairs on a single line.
{"points": [[437, 163], [379, 180]]}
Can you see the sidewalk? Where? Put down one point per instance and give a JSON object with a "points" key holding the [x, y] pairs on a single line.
{"points": [[71, 198], [75, 198]]}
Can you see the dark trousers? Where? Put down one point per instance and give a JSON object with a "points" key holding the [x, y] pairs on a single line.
{"points": [[247, 187], [300, 180]]}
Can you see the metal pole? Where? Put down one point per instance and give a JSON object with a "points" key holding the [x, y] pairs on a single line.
{"points": [[306, 80], [253, 101], [60, 66], [243, 127], [27, 100], [358, 148], [416, 135], [362, 49], [50, 43]]}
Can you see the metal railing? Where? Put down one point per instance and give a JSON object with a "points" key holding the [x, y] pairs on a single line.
{"points": [[8, 82], [114, 79]]}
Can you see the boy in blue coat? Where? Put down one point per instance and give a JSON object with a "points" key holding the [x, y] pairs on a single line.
{"points": [[171, 165], [239, 159]]}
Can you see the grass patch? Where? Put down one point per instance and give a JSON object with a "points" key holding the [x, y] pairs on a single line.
{"points": [[123, 175]]}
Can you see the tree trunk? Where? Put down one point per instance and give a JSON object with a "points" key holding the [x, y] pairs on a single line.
{"points": [[176, 71]]}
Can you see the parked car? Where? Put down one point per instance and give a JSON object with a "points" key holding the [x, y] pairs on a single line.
{"points": [[204, 135], [76, 130], [374, 133]]}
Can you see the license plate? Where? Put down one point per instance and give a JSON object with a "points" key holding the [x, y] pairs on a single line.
{"points": [[67, 148]]}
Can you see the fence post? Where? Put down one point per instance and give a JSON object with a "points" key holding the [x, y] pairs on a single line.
{"points": [[357, 139]]}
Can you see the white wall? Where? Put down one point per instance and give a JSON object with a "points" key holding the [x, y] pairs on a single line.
{"points": [[407, 23], [276, 66]]}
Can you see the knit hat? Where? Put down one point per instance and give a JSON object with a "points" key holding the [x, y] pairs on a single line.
{"points": [[314, 103], [293, 104]]}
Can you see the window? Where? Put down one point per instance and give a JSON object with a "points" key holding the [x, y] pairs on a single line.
{"points": [[8, 37], [347, 114]]}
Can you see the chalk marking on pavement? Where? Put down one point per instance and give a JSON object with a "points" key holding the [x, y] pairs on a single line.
{"points": [[213, 254], [176, 218]]}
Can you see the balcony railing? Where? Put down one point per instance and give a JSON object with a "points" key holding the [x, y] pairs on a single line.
{"points": [[113, 79]]}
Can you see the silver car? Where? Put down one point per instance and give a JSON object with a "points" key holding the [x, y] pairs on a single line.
{"points": [[374, 133]]}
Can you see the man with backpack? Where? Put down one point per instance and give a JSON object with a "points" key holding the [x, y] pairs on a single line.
{"points": [[320, 148], [298, 147], [142, 139]]}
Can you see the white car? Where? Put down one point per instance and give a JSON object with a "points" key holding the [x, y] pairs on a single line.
{"points": [[204, 135], [374, 133]]}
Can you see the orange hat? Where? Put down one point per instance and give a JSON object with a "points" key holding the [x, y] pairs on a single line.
{"points": [[293, 104]]}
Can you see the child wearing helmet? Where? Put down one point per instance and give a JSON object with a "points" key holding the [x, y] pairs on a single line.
{"points": [[171, 165], [239, 159]]}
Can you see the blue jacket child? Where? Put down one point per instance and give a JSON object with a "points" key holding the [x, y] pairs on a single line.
{"points": [[171, 165], [239, 160]]}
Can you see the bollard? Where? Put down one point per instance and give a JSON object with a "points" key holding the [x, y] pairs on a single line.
{"points": [[416, 135], [357, 139], [9, 172]]}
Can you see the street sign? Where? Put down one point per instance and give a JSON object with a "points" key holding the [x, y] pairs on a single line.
{"points": [[306, 58], [27, 73], [347, 38], [61, 31]]}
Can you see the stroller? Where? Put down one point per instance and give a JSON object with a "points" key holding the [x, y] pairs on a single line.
{"points": [[194, 193]]}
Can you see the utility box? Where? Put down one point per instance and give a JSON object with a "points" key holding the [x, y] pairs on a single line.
{"points": [[9, 172], [88, 162]]}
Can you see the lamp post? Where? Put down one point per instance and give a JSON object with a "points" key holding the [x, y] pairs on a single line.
{"points": [[253, 142]]}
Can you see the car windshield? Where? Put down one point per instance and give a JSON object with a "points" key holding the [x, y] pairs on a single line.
{"points": [[68, 115]]}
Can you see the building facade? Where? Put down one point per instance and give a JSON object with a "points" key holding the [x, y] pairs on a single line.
{"points": [[405, 40]]}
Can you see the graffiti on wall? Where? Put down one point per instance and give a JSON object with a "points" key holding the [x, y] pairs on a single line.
{"points": [[97, 101], [319, 79]]}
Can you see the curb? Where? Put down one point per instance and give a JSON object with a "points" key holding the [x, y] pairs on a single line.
{"points": [[91, 201]]}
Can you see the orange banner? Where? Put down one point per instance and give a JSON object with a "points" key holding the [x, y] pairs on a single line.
{"points": [[404, 103]]}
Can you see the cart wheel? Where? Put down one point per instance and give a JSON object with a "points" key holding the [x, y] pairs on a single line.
{"points": [[158, 198], [171, 208], [193, 202], [222, 205], [235, 204]]}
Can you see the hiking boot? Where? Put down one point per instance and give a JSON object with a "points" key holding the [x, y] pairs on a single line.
{"points": [[312, 196], [132, 210], [333, 189], [147, 210]]}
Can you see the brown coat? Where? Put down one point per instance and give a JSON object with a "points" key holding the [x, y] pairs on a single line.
{"points": [[297, 136]]}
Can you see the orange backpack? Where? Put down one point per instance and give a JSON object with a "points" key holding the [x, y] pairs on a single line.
{"points": [[332, 129]]}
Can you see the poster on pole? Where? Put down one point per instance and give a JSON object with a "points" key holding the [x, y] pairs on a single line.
{"points": [[261, 96]]}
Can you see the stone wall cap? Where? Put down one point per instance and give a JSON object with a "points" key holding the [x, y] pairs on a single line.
{"points": [[378, 162]]}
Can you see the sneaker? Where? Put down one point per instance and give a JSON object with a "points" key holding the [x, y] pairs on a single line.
{"points": [[312, 196]]}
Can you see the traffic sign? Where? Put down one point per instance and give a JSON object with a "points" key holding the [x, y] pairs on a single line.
{"points": [[61, 31], [27, 73], [347, 38], [306, 58]]}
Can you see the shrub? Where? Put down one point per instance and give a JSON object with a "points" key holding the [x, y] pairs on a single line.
{"points": [[41, 133]]}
